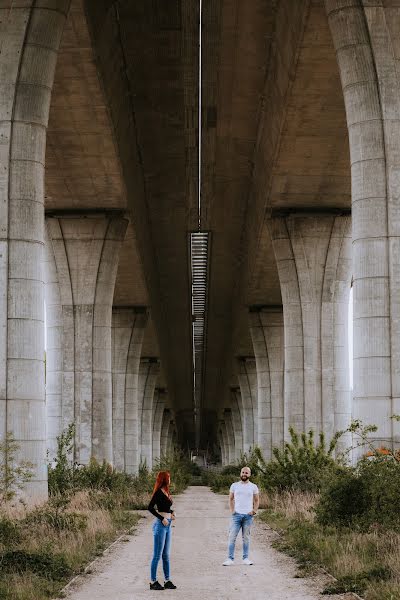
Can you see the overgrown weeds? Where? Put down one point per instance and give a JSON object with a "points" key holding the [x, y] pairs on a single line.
{"points": [[40, 549]]}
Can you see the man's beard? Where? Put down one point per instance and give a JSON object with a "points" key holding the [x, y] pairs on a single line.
{"points": [[244, 477]]}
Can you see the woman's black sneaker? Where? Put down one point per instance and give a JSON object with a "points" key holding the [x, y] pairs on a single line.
{"points": [[168, 585], [156, 586]]}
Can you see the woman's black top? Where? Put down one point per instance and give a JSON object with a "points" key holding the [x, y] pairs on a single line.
{"points": [[162, 502]]}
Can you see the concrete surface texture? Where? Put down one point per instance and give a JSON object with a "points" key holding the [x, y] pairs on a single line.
{"points": [[128, 326], [199, 546], [148, 373], [370, 77], [313, 255], [266, 329], [86, 258]]}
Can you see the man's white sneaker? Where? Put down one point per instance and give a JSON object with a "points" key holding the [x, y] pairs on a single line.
{"points": [[247, 561], [228, 562]]}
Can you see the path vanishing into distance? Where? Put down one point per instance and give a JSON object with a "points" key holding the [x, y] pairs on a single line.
{"points": [[198, 549]]}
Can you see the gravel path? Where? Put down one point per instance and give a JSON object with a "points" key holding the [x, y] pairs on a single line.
{"points": [[198, 550]]}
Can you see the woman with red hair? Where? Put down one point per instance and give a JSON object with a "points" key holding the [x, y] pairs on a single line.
{"points": [[164, 514]]}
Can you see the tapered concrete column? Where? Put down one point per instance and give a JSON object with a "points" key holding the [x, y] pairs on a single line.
{"points": [[247, 376], [30, 36], [230, 435], [222, 443], [172, 438], [148, 373], [266, 328], [86, 251], [160, 397], [365, 37], [237, 422], [166, 422], [313, 255], [226, 442], [128, 326], [55, 363]]}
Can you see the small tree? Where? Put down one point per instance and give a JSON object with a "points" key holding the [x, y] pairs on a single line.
{"points": [[14, 475], [302, 464], [62, 474]]}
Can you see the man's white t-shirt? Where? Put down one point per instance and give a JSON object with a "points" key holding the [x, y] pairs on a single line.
{"points": [[243, 496]]}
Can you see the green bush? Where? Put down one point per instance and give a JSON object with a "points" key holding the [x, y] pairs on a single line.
{"points": [[366, 496], [46, 565], [302, 464], [10, 533]]}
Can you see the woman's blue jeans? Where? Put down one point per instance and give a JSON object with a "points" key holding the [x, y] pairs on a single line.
{"points": [[162, 546], [239, 522]]}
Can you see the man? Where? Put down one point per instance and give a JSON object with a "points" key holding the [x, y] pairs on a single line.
{"points": [[244, 500]]}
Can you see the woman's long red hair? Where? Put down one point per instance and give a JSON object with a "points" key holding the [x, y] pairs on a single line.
{"points": [[162, 481]]}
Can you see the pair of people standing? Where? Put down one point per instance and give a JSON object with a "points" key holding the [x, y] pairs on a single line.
{"points": [[243, 503]]}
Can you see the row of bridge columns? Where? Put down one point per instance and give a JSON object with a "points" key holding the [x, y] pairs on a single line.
{"points": [[299, 374], [97, 377], [312, 254]]}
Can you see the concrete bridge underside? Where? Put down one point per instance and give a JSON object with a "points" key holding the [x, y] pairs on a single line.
{"points": [[99, 196]]}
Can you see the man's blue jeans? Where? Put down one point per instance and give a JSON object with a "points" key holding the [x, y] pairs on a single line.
{"points": [[243, 522], [162, 546]]}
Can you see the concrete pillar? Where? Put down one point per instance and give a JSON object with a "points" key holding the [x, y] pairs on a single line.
{"points": [[230, 435], [221, 441], [55, 359], [172, 438], [366, 38], [128, 326], [148, 373], [86, 251], [313, 255], [166, 422], [30, 36], [159, 407], [266, 328], [237, 422], [247, 376]]}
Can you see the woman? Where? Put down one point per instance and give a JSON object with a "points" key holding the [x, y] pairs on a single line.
{"points": [[161, 530]]}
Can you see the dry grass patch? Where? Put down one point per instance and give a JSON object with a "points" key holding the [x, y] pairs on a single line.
{"points": [[366, 563], [41, 549]]}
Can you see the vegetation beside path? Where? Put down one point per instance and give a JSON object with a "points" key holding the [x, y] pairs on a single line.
{"points": [[89, 507], [328, 513]]}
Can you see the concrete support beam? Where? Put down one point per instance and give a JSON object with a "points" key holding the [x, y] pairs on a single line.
{"points": [[30, 36], [237, 422], [365, 37], [230, 435], [166, 423], [222, 444], [172, 438], [313, 254], [266, 329], [148, 373], [160, 400], [86, 252], [128, 326], [247, 376]]}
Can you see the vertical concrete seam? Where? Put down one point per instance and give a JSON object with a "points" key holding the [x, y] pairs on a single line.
{"points": [[75, 451], [332, 337], [389, 246], [105, 237], [269, 374], [301, 315], [125, 391]]}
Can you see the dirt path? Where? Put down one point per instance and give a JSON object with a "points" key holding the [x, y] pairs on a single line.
{"points": [[198, 550]]}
